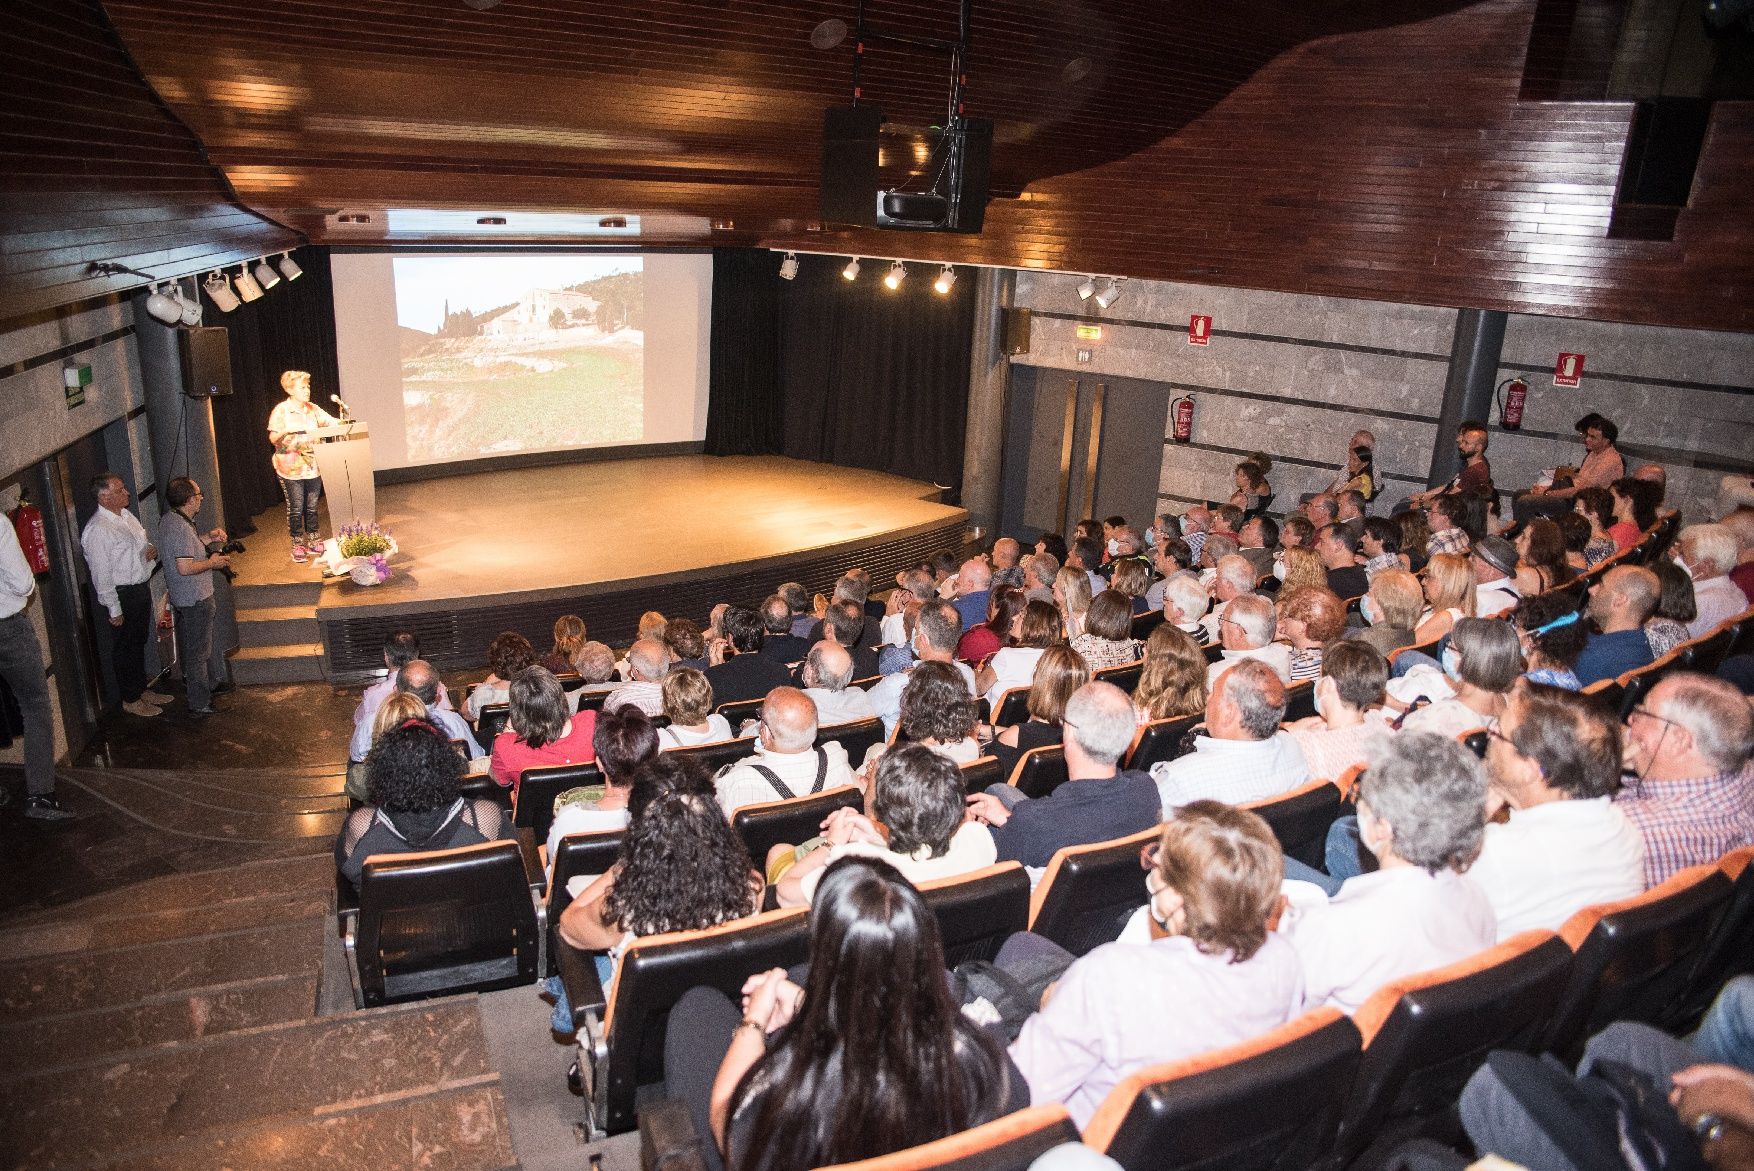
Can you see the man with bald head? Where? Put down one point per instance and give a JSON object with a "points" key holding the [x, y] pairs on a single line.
{"points": [[421, 680], [1244, 755], [828, 668], [786, 762], [974, 583], [1007, 558], [648, 661], [1619, 604]]}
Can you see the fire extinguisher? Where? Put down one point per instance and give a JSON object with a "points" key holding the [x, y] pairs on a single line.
{"points": [[1513, 393], [28, 522], [1183, 414]]}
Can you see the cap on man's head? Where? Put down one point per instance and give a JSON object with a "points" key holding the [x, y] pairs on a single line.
{"points": [[1497, 552]]}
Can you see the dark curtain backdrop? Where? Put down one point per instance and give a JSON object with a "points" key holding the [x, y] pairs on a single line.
{"points": [[292, 327], [837, 371]]}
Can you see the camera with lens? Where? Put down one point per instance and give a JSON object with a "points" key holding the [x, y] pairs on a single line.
{"points": [[226, 547]]}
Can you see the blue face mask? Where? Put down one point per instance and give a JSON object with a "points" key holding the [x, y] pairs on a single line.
{"points": [[1318, 697], [1366, 611], [1452, 662]]}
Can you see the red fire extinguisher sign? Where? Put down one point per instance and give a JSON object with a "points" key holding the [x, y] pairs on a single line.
{"points": [[1568, 370], [1200, 329]]}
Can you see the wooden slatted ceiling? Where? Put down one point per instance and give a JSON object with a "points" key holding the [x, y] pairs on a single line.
{"points": [[93, 168], [1340, 148]]}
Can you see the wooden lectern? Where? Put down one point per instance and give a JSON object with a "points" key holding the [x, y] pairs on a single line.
{"points": [[344, 460]]}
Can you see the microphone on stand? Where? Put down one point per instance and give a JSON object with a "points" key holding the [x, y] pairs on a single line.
{"points": [[346, 411]]}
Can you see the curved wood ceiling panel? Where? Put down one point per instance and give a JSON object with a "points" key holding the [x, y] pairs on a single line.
{"points": [[1347, 147]]}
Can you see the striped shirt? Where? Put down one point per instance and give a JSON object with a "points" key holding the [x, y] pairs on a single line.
{"points": [[1690, 822]]}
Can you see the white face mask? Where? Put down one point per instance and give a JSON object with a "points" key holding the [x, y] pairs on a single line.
{"points": [[1452, 662], [1317, 696], [1114, 547], [1366, 611]]}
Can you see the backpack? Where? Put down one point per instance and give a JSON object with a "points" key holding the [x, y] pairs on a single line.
{"points": [[1614, 1118]]}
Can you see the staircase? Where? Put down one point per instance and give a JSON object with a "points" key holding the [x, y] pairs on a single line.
{"points": [[278, 639], [172, 1024]]}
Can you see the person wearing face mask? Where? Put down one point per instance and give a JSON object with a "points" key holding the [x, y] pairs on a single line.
{"points": [[1390, 611], [1348, 721], [1708, 553], [1552, 633], [1482, 663], [1211, 975]]}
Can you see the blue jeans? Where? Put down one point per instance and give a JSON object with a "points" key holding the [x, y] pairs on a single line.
{"points": [[1727, 1032], [1345, 857], [301, 505], [560, 1020]]}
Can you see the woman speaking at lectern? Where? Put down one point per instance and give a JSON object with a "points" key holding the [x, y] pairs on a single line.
{"points": [[295, 460]]}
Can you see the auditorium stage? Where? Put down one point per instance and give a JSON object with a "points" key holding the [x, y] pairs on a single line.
{"points": [[513, 550]]}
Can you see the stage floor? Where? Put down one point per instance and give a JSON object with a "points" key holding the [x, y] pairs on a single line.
{"points": [[539, 537]]}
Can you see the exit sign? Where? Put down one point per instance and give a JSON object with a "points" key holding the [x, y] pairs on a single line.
{"points": [[1089, 333]]}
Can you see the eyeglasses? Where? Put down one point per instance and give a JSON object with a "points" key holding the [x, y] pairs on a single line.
{"points": [[1641, 710]]}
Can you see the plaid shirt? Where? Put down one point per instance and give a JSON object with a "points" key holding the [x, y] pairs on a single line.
{"points": [[1690, 822], [1381, 562], [1447, 541]]}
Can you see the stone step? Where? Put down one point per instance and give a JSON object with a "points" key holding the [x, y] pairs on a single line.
{"points": [[35, 1045], [300, 662], [274, 1076], [460, 1126], [277, 625], [258, 596], [196, 889], [208, 814], [94, 937]]}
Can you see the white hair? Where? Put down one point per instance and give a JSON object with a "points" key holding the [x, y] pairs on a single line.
{"points": [[1239, 571], [1188, 594], [1254, 615], [1714, 543]]}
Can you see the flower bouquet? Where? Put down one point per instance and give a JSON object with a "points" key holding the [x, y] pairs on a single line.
{"points": [[362, 552]]}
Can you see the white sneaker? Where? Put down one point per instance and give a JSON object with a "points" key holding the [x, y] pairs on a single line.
{"points": [[142, 709]]}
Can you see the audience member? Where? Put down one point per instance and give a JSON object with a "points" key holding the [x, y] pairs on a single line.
{"points": [[1172, 558], [648, 661], [1347, 723], [1321, 511], [1053, 545], [1349, 514], [1619, 603], [1691, 792], [827, 671], [688, 704], [1708, 553], [595, 666], [1242, 756], [777, 640], [1097, 802], [1212, 975], [1574, 530], [742, 672], [936, 631], [1358, 472], [1035, 629], [1294, 533], [1540, 549], [624, 741], [1131, 577], [1253, 490], [1226, 520], [1554, 762], [1444, 516], [798, 602], [1482, 663], [1602, 465], [1338, 550], [1039, 571], [1172, 682], [412, 776], [1475, 474], [507, 655], [1421, 813], [1635, 509], [916, 799], [1194, 525], [1310, 619], [1449, 592], [1004, 612], [1415, 538], [1086, 556], [400, 647], [1257, 541], [1390, 611], [1666, 628], [973, 583], [1741, 524], [1072, 596], [1234, 578], [1185, 602], [1107, 640], [1596, 506], [687, 644], [540, 729], [937, 711], [419, 679], [120, 560], [569, 637], [1493, 560], [1218, 547], [1007, 558], [1380, 545], [1058, 673], [1247, 631], [847, 625], [852, 588], [786, 761], [1552, 633]]}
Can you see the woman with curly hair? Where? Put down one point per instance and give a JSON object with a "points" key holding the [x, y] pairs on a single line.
{"points": [[508, 654], [1108, 639], [1004, 609], [874, 1030], [1036, 628], [1309, 619], [1058, 673], [1252, 489], [569, 639], [688, 702], [1552, 634], [1596, 505], [1173, 682], [937, 711], [1303, 570], [412, 776]]}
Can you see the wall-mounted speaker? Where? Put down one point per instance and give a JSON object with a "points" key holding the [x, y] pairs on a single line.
{"points": [[1016, 331], [206, 354]]}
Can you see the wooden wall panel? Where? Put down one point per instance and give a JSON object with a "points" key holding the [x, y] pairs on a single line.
{"points": [[93, 168]]}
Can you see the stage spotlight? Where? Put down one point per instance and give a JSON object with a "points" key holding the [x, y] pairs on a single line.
{"points": [[191, 306], [163, 308], [1086, 288], [246, 285], [897, 273], [219, 292], [289, 267], [851, 271], [789, 267], [946, 278], [265, 274], [1108, 295]]}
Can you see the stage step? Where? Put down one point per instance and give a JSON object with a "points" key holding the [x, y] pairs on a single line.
{"points": [[265, 626], [298, 593], [299, 662]]}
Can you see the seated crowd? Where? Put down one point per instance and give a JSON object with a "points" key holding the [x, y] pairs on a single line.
{"points": [[1430, 666]]}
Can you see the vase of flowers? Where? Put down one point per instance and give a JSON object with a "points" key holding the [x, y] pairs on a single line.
{"points": [[362, 552]]}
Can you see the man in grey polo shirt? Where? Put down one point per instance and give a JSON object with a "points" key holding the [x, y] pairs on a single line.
{"points": [[190, 584]]}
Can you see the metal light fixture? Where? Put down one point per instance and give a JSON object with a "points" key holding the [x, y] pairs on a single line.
{"points": [[289, 267], [246, 284], [789, 267], [946, 278], [219, 292], [265, 274], [1108, 295], [851, 271], [897, 273], [191, 305], [1086, 288], [166, 309]]}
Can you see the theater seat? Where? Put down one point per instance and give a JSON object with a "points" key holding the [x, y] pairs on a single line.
{"points": [[575, 854], [857, 738], [1300, 700], [765, 825], [1040, 770], [1426, 1034], [1162, 740], [1013, 708], [533, 807], [1636, 958], [1144, 624], [978, 912], [1730, 951], [1088, 893], [737, 710], [1010, 1143], [621, 1034], [446, 921], [1270, 1104], [1125, 676], [490, 722], [1300, 818], [1708, 650], [715, 756], [591, 701], [979, 773]]}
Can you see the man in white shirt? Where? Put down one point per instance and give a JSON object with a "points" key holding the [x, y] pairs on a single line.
{"points": [[648, 661], [120, 558], [420, 680], [1246, 632], [21, 665], [1708, 553], [786, 762], [828, 668], [937, 628], [400, 648], [1242, 756], [1232, 578], [1493, 560], [1554, 761]]}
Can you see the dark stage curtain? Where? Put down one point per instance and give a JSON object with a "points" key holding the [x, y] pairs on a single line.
{"points": [[292, 327], [860, 375]]}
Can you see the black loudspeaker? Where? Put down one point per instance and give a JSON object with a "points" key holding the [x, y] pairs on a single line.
{"points": [[849, 164], [206, 361], [1016, 331]]}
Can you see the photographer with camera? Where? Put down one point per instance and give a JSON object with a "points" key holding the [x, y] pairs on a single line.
{"points": [[192, 556]]}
